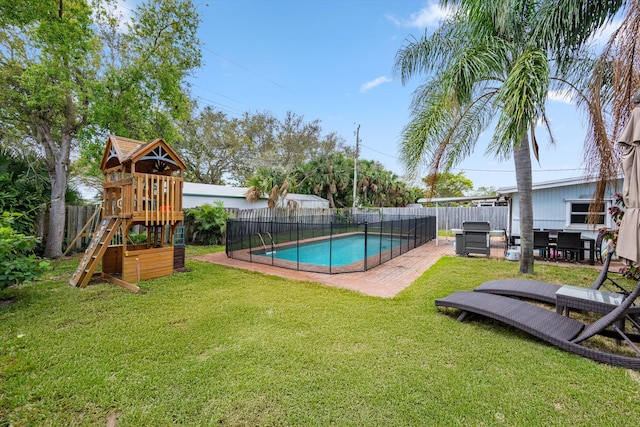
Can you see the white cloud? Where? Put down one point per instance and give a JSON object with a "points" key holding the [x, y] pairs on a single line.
{"points": [[425, 17], [564, 96], [602, 35], [373, 83]]}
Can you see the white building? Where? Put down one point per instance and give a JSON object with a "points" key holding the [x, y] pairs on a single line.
{"points": [[195, 194], [563, 205]]}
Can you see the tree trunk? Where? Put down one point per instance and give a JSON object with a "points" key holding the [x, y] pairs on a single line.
{"points": [[57, 163], [522, 160], [55, 235], [332, 203]]}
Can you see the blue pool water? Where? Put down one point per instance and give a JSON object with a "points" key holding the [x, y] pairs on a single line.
{"points": [[336, 252]]}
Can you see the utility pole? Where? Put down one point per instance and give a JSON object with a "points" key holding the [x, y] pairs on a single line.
{"points": [[355, 167]]}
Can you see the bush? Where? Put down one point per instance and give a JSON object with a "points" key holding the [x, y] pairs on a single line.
{"points": [[18, 263], [209, 223], [138, 238]]}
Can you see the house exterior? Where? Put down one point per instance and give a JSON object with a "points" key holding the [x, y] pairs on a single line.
{"points": [[563, 205], [195, 194]]}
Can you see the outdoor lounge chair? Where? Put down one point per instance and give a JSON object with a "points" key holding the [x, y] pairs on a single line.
{"points": [[543, 291], [563, 332]]}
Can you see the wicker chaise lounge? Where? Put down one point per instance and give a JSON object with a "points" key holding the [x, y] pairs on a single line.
{"points": [[563, 332], [543, 291]]}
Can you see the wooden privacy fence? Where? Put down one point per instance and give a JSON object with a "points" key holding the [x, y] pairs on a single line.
{"points": [[453, 217], [76, 218], [448, 217]]}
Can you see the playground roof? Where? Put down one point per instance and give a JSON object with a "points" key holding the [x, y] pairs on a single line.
{"points": [[149, 157]]}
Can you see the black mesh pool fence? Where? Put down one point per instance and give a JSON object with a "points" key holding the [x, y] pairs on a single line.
{"points": [[327, 244]]}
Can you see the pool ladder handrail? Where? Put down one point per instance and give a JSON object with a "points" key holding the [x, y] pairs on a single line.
{"points": [[264, 244]]}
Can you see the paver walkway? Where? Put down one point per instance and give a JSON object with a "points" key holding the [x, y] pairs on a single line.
{"points": [[385, 280]]}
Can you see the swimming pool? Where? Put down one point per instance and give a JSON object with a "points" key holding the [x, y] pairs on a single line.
{"points": [[328, 243], [336, 252]]}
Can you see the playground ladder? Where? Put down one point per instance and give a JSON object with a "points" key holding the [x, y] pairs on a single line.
{"points": [[95, 251]]}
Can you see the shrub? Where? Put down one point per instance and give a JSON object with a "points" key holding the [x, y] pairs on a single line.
{"points": [[26, 188], [18, 263], [138, 238], [209, 223]]}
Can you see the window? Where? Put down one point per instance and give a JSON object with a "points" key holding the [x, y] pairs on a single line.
{"points": [[578, 213]]}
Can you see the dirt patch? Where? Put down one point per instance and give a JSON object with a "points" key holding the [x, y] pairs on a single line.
{"points": [[7, 302]]}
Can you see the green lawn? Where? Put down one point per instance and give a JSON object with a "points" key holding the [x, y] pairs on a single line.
{"points": [[216, 345]]}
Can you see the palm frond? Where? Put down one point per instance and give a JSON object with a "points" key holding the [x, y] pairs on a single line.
{"points": [[522, 98], [425, 55], [564, 25]]}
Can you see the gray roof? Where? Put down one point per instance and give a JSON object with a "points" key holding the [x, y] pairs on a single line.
{"points": [[457, 199], [551, 184]]}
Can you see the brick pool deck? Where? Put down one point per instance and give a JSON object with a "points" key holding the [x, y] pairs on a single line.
{"points": [[385, 280]]}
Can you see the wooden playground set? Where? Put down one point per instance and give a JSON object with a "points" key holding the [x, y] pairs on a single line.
{"points": [[142, 191]]}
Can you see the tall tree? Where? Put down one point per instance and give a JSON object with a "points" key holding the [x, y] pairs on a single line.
{"points": [[326, 176], [211, 147], [489, 59], [269, 142], [331, 176], [447, 184], [71, 70]]}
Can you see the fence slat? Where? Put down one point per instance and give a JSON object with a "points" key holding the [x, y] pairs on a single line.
{"points": [[448, 217]]}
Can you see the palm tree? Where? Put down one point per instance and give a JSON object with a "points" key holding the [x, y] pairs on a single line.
{"points": [[609, 86], [489, 60], [327, 176], [271, 181]]}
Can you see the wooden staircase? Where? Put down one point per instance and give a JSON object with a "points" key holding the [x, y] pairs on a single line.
{"points": [[95, 251]]}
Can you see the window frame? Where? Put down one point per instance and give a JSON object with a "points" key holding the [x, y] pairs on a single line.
{"points": [[583, 226]]}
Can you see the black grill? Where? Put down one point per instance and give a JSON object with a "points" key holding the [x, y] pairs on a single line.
{"points": [[475, 238]]}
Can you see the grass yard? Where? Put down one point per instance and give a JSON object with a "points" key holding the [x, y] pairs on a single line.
{"points": [[216, 345]]}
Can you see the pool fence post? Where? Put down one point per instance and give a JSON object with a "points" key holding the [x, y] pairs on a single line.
{"points": [[366, 230], [330, 245], [271, 235], [391, 239], [380, 239], [297, 246], [401, 234], [250, 246], [226, 240]]}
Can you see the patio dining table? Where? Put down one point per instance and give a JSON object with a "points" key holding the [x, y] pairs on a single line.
{"points": [[587, 244]]}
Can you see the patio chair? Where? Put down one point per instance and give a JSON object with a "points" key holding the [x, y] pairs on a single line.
{"points": [[546, 292], [563, 332], [541, 242], [569, 245], [598, 245]]}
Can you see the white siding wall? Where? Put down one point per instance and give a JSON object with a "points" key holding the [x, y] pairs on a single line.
{"points": [[550, 207], [192, 201], [313, 204]]}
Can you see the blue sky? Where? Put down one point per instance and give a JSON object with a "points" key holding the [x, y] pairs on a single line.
{"points": [[333, 60]]}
